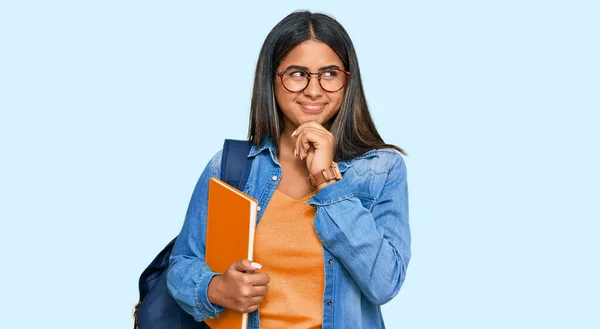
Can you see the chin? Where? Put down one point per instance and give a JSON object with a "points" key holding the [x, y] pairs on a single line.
{"points": [[318, 120]]}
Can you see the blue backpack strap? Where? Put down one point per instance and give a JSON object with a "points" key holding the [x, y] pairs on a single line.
{"points": [[235, 168], [157, 309], [235, 163]]}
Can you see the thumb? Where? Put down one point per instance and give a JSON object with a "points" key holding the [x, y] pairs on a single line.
{"points": [[245, 265]]}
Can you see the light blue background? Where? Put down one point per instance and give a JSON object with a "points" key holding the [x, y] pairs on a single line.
{"points": [[111, 109]]}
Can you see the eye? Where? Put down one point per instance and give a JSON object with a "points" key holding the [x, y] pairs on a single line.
{"points": [[297, 74], [329, 74]]}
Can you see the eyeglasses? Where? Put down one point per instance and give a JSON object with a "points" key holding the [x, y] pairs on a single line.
{"points": [[296, 80]]}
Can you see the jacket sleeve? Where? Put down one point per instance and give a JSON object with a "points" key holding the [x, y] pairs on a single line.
{"points": [[373, 245], [188, 275]]}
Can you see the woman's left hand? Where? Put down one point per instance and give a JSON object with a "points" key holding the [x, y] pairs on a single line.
{"points": [[315, 144]]}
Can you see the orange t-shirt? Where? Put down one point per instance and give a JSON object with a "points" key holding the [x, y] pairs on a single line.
{"points": [[288, 248]]}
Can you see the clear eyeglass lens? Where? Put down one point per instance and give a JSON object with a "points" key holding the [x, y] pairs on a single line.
{"points": [[330, 80]]}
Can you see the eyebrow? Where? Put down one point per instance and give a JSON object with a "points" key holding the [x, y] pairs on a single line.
{"points": [[304, 68]]}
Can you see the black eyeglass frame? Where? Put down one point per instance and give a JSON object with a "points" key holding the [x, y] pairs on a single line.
{"points": [[309, 74]]}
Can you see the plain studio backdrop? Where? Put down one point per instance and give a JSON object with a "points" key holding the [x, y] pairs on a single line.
{"points": [[111, 109]]}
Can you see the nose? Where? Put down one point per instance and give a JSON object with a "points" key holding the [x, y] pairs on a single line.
{"points": [[313, 90]]}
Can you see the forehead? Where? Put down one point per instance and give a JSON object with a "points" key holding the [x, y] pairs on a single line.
{"points": [[312, 54]]}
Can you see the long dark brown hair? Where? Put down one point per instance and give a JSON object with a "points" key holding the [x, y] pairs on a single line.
{"points": [[352, 126]]}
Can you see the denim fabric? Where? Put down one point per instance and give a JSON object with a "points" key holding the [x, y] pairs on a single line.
{"points": [[362, 221]]}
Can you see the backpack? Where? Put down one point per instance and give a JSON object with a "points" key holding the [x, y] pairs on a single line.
{"points": [[156, 308]]}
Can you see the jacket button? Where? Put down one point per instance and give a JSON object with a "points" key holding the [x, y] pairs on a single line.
{"points": [[330, 261], [274, 178], [329, 303], [258, 208]]}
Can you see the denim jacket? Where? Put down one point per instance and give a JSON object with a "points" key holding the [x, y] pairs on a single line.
{"points": [[361, 220]]}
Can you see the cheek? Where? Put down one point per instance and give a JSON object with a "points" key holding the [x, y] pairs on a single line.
{"points": [[279, 97], [284, 98], [337, 100]]}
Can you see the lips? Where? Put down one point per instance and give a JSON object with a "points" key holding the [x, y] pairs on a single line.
{"points": [[312, 107]]}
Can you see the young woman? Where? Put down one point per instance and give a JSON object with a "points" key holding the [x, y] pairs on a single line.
{"points": [[333, 237]]}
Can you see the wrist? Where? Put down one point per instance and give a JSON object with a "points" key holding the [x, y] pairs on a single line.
{"points": [[214, 290], [325, 177]]}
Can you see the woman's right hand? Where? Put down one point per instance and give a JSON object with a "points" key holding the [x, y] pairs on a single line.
{"points": [[240, 288]]}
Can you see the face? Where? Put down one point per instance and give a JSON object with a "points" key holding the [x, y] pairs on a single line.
{"points": [[313, 103]]}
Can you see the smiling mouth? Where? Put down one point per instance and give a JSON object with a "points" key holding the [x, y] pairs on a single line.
{"points": [[312, 107]]}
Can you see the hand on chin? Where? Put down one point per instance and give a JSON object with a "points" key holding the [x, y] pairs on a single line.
{"points": [[315, 144]]}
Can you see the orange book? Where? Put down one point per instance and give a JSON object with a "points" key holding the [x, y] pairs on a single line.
{"points": [[231, 221]]}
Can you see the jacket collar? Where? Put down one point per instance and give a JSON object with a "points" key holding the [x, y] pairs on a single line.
{"points": [[267, 144]]}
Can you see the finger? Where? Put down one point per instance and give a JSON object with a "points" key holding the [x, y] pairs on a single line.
{"points": [[259, 279], [253, 304], [244, 265], [309, 124], [311, 137], [304, 140], [297, 149], [298, 143], [258, 291], [302, 130], [257, 300]]}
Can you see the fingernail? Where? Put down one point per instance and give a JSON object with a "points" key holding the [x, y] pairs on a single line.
{"points": [[294, 133], [256, 265], [300, 155]]}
